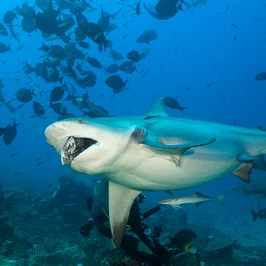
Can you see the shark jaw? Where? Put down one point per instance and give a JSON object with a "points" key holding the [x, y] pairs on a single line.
{"points": [[74, 147]]}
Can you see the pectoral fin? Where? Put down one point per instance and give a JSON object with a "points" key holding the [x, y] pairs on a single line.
{"points": [[179, 148], [120, 202], [175, 151]]}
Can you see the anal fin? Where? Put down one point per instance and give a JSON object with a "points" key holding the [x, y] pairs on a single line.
{"points": [[243, 172], [120, 201]]}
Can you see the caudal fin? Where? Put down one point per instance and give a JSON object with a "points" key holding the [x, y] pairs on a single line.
{"points": [[255, 215], [222, 198]]}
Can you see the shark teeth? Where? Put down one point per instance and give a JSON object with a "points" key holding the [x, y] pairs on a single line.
{"points": [[73, 147], [68, 151]]}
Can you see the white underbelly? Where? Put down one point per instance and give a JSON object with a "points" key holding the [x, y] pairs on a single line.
{"points": [[156, 172]]}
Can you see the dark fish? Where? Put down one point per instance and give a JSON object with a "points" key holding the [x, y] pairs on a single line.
{"points": [[24, 95], [57, 93], [173, 104], [25, 11], [76, 53], [147, 36], [165, 9], [134, 56], [69, 46], [128, 67], [50, 25], [28, 24], [96, 34], [14, 154], [38, 158], [261, 214], [116, 83], [67, 23], [208, 85], [9, 17], [56, 51], [94, 62], [9, 133], [261, 76], [93, 31], [54, 76], [116, 55], [104, 21], [84, 45], [112, 69], [235, 26], [59, 108], [4, 48], [85, 82], [80, 35], [182, 238], [38, 108], [137, 8]]}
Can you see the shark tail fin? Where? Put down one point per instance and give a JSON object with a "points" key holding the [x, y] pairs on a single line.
{"points": [[255, 215], [222, 198]]}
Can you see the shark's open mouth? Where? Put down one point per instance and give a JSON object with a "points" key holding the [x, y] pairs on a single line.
{"points": [[74, 147]]}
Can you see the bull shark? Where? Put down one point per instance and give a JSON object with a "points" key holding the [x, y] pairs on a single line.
{"points": [[154, 152]]}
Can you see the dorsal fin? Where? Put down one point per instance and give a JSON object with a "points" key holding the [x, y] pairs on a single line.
{"points": [[157, 108], [199, 194]]}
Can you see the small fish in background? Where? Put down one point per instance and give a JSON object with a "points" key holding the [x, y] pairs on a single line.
{"points": [[195, 199], [182, 239], [260, 76], [234, 26], [33, 250], [40, 163], [208, 85], [172, 103], [14, 154], [260, 214]]}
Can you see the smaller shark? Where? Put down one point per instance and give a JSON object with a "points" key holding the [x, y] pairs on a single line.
{"points": [[195, 199]]}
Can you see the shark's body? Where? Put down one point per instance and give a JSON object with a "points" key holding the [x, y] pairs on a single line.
{"points": [[154, 152]]}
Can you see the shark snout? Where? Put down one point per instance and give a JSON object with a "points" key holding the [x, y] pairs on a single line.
{"points": [[56, 135]]}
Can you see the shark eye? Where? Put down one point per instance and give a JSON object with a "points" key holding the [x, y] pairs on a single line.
{"points": [[74, 147]]}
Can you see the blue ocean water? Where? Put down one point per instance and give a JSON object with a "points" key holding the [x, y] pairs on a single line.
{"points": [[220, 44]]}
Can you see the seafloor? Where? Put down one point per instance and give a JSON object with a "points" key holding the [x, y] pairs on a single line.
{"points": [[221, 239]]}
